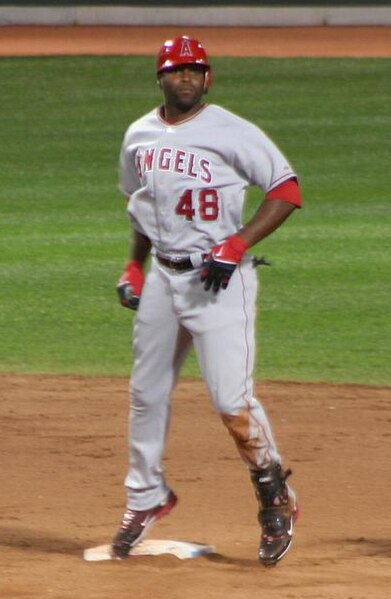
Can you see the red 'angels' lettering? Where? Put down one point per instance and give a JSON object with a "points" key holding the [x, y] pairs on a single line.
{"points": [[175, 161], [149, 159], [164, 160], [208, 205]]}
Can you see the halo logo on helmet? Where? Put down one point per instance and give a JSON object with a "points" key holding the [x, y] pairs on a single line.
{"points": [[183, 50]]}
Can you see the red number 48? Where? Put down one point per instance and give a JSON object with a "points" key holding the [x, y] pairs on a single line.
{"points": [[207, 203]]}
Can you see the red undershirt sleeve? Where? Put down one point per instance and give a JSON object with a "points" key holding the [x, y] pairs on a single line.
{"points": [[289, 191]]}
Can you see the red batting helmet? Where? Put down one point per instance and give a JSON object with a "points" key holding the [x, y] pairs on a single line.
{"points": [[182, 50]]}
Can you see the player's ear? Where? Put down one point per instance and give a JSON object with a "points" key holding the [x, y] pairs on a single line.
{"points": [[207, 81]]}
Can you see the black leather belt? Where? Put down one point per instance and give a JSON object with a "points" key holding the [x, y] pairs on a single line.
{"points": [[180, 265]]}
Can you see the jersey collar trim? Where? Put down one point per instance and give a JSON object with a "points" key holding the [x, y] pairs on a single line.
{"points": [[160, 112]]}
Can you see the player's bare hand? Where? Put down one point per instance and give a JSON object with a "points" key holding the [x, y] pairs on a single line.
{"points": [[221, 262], [130, 285]]}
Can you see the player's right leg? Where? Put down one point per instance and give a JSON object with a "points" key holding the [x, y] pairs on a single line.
{"points": [[160, 346]]}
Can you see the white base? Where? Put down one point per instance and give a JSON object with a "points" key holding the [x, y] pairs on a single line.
{"points": [[181, 549]]}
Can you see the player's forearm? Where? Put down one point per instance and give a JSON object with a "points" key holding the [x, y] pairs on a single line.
{"points": [[141, 247], [270, 215]]}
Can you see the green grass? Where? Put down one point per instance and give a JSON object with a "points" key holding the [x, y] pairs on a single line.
{"points": [[64, 233]]}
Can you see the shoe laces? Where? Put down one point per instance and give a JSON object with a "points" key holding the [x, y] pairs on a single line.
{"points": [[130, 517]]}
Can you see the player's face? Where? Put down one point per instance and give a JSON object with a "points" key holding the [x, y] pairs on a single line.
{"points": [[183, 87]]}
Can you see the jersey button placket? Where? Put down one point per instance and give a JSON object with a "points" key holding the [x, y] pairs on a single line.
{"points": [[164, 216]]}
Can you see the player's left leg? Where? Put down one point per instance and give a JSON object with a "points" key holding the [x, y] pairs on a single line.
{"points": [[225, 346], [224, 341]]}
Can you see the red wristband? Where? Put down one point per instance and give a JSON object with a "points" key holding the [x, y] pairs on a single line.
{"points": [[231, 251], [238, 245], [134, 265], [134, 276]]}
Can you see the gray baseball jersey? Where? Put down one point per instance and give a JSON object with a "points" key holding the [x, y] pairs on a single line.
{"points": [[188, 180]]}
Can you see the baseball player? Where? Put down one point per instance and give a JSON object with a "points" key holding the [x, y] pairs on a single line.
{"points": [[185, 168]]}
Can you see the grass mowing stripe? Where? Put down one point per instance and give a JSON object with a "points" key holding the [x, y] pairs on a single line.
{"points": [[64, 234]]}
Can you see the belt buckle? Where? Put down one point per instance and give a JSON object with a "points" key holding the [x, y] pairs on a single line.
{"points": [[176, 264]]}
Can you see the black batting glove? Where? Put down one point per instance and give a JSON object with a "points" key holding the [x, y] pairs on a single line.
{"points": [[220, 264], [130, 285], [216, 274]]}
